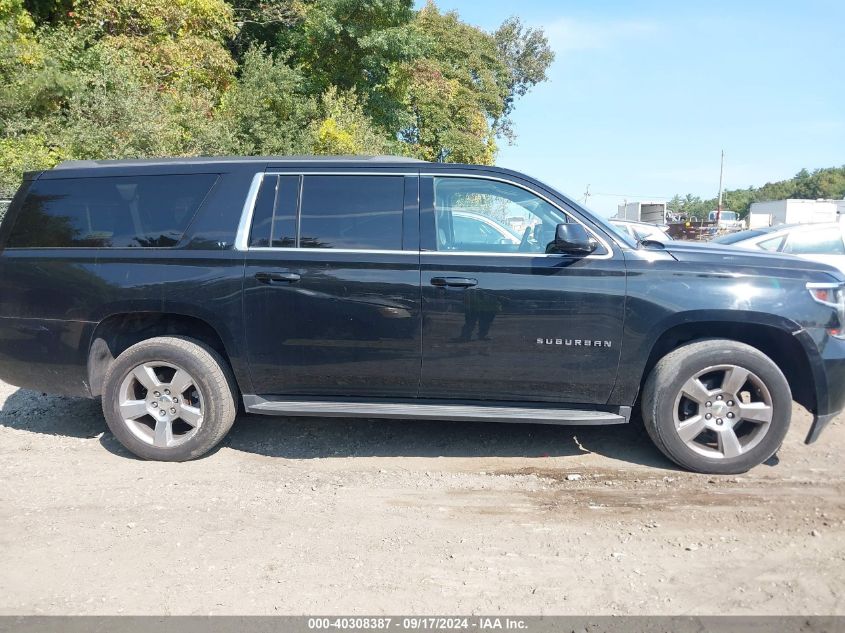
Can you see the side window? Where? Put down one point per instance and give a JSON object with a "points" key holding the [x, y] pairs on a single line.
{"points": [[262, 215], [825, 242], [523, 222], [131, 211], [771, 244], [274, 217], [355, 212]]}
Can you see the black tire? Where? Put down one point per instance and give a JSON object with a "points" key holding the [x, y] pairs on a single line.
{"points": [[212, 381], [663, 387]]}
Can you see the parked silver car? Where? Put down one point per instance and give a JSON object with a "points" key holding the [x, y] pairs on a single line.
{"points": [[817, 242]]}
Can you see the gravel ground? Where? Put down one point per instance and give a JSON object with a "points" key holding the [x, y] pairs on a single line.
{"points": [[317, 516]]}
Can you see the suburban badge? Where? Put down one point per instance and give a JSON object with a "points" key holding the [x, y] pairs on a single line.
{"points": [[573, 342]]}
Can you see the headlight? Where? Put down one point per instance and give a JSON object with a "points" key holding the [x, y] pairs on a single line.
{"points": [[833, 296]]}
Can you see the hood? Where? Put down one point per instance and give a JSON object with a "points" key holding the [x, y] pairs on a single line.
{"points": [[730, 255]]}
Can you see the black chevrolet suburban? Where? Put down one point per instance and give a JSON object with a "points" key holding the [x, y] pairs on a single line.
{"points": [[385, 287]]}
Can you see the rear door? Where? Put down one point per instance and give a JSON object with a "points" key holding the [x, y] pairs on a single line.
{"points": [[331, 284]]}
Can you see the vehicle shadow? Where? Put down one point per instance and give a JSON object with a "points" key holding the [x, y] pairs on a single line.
{"points": [[312, 438]]}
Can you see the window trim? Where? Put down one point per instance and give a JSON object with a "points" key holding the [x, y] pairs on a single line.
{"points": [[245, 225]]}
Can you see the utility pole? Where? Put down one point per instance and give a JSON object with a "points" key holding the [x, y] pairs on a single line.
{"points": [[586, 195], [721, 174]]}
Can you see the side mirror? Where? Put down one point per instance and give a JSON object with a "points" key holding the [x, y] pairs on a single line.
{"points": [[573, 239]]}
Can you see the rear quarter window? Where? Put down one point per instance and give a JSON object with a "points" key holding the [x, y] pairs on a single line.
{"points": [[116, 212], [771, 244], [817, 242]]}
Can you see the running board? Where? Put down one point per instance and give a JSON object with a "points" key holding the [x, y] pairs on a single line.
{"points": [[428, 410]]}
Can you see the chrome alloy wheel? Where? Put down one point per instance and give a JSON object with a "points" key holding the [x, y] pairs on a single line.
{"points": [[723, 411], [161, 404]]}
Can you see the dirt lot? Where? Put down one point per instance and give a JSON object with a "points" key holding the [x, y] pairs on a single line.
{"points": [[344, 516]]}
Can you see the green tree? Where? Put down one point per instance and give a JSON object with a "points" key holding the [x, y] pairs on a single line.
{"points": [[459, 96], [176, 40], [135, 78], [266, 111], [344, 128], [527, 54]]}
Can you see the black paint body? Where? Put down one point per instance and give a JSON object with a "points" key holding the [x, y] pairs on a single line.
{"points": [[373, 325]]}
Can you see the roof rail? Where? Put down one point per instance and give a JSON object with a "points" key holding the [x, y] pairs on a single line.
{"points": [[85, 164]]}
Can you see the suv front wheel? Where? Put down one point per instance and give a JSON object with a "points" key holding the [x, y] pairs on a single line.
{"points": [[169, 398], [717, 406]]}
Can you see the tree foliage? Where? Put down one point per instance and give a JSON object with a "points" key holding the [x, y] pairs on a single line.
{"points": [[135, 78], [821, 183]]}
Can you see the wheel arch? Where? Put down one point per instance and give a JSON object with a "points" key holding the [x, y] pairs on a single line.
{"points": [[782, 344], [117, 332]]}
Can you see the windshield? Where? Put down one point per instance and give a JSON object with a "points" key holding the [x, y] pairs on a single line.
{"points": [[727, 216]]}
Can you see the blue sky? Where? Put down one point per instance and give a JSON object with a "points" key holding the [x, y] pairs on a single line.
{"points": [[643, 96]]}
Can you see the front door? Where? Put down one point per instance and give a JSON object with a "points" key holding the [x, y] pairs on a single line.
{"points": [[502, 319], [331, 285]]}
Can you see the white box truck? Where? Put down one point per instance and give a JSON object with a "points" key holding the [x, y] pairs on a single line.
{"points": [[651, 212], [792, 211]]}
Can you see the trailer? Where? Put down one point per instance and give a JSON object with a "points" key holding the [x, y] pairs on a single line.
{"points": [[793, 211], [651, 212]]}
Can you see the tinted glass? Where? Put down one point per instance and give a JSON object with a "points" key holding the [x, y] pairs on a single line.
{"points": [[284, 220], [359, 212], [274, 215], [136, 211], [822, 242], [516, 211], [470, 229], [262, 214]]}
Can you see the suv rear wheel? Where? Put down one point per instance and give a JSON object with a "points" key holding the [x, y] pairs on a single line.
{"points": [[169, 398], [717, 406]]}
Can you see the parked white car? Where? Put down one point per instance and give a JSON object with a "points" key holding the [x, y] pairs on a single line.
{"points": [[817, 242]]}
